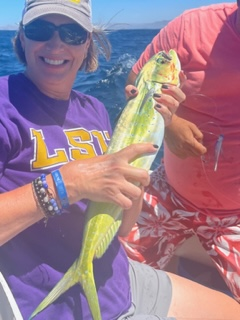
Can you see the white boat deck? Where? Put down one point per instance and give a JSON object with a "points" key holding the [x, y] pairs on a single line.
{"points": [[8, 307]]}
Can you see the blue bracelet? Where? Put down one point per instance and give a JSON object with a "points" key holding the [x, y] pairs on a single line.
{"points": [[60, 187]]}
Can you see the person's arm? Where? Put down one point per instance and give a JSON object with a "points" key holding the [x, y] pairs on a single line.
{"points": [[130, 216], [106, 178], [18, 211], [131, 78]]}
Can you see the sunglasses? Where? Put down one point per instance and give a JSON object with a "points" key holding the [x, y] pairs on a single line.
{"points": [[41, 30]]}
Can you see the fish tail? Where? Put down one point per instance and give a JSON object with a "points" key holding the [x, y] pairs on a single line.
{"points": [[62, 286], [90, 291]]}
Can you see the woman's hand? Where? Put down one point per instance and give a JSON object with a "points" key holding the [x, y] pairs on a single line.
{"points": [[167, 102], [108, 178]]}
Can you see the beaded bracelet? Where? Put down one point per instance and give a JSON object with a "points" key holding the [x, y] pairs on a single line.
{"points": [[60, 187], [45, 198]]}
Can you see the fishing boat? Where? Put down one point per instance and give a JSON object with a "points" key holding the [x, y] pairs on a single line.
{"points": [[8, 307]]}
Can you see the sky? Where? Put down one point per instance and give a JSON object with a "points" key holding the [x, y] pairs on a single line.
{"points": [[116, 11]]}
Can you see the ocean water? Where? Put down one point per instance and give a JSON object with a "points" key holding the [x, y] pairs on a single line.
{"points": [[108, 82]]}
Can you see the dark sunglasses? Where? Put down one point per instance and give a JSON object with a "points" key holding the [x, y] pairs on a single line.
{"points": [[42, 30]]}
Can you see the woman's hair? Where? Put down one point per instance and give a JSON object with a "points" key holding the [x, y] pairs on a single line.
{"points": [[99, 44]]}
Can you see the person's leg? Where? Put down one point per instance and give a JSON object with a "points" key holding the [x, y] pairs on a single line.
{"points": [[158, 295], [192, 301], [151, 293], [221, 239], [151, 289]]}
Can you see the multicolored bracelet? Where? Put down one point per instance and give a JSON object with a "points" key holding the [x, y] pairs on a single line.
{"points": [[60, 187], [44, 198]]}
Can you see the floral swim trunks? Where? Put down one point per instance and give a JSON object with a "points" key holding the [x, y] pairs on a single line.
{"points": [[166, 221]]}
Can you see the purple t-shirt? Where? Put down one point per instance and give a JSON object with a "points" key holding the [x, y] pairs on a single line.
{"points": [[37, 135]]}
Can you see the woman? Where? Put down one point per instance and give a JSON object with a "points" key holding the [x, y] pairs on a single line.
{"points": [[51, 135]]}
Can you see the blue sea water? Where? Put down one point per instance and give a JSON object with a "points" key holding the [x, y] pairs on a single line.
{"points": [[108, 82]]}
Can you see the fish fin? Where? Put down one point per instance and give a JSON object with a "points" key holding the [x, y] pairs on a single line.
{"points": [[102, 247], [62, 286]]}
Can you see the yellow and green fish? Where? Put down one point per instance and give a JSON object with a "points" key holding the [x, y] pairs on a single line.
{"points": [[139, 122]]}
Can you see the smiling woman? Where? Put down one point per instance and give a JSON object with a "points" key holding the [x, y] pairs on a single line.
{"points": [[54, 58], [56, 47]]}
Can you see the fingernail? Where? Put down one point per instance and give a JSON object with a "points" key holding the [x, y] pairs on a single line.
{"points": [[165, 86], [155, 146], [133, 91], [157, 95], [158, 106]]}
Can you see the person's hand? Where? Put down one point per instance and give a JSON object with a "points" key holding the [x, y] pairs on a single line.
{"points": [[184, 139], [108, 178], [167, 102]]}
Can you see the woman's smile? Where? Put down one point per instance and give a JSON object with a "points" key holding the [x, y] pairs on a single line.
{"points": [[54, 62]]}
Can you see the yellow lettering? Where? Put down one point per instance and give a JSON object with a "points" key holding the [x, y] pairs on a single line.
{"points": [[81, 144], [42, 158], [101, 139]]}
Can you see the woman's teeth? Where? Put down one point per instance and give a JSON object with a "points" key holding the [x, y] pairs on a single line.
{"points": [[54, 62]]}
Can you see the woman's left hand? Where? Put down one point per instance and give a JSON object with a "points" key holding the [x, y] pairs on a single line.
{"points": [[167, 102]]}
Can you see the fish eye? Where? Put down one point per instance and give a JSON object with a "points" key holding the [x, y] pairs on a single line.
{"points": [[161, 60]]}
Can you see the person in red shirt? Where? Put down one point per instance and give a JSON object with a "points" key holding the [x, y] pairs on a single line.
{"points": [[196, 188]]}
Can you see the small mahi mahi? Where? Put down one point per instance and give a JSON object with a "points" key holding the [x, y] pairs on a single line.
{"points": [[138, 123]]}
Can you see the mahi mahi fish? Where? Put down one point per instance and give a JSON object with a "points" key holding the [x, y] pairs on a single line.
{"points": [[138, 123]]}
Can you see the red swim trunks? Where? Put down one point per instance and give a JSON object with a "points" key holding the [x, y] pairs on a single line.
{"points": [[166, 221]]}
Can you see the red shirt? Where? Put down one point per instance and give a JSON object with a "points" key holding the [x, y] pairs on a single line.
{"points": [[208, 45]]}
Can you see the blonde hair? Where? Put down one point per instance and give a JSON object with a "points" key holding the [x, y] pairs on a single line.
{"points": [[99, 44]]}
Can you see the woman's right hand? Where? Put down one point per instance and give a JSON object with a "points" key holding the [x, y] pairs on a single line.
{"points": [[184, 139], [107, 178]]}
